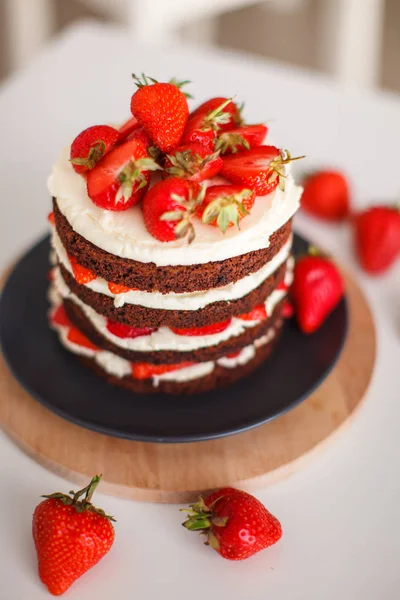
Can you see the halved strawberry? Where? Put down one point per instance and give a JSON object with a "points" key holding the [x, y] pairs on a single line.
{"points": [[147, 370], [261, 168], [235, 119], [82, 274], [76, 337], [91, 145], [206, 330], [59, 317], [125, 331], [225, 205], [168, 207], [116, 288], [287, 310], [202, 128], [120, 180], [241, 138], [50, 218], [127, 128], [258, 313], [194, 162], [233, 354]]}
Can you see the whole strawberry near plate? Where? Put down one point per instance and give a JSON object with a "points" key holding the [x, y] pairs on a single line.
{"points": [[59, 381]]}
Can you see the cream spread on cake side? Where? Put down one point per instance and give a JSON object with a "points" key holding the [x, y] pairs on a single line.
{"points": [[125, 235], [164, 338], [185, 301]]}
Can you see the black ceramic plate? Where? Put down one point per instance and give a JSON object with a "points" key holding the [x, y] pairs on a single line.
{"points": [[57, 379]]}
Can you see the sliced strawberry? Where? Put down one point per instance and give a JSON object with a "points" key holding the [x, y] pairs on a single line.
{"points": [[168, 206], [258, 313], [50, 218], [147, 370], [116, 288], [202, 128], [91, 145], [241, 138], [282, 287], [50, 274], [125, 331], [206, 330], [76, 337], [225, 205], [82, 274], [261, 169], [120, 180], [59, 317], [287, 310], [233, 354], [127, 128], [194, 162], [231, 108]]}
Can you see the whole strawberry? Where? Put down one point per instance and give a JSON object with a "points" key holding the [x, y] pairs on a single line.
{"points": [[316, 290], [194, 162], [326, 195], [377, 236], [235, 523], [162, 110], [91, 145], [70, 536]]}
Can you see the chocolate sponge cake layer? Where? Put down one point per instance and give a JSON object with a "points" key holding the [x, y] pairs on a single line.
{"points": [[170, 357], [177, 278], [139, 316], [219, 377]]}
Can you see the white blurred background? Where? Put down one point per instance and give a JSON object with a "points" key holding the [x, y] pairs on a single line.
{"points": [[358, 41]]}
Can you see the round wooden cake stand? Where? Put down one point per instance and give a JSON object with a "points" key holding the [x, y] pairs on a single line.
{"points": [[178, 472]]}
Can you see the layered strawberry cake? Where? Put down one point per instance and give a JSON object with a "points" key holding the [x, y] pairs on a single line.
{"points": [[172, 240]]}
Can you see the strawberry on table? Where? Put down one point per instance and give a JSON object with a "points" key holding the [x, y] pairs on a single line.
{"points": [[261, 169], [70, 536], [147, 370], [168, 207], [225, 205], [82, 274], [234, 111], [235, 523], [120, 180], [202, 128], [91, 145], [377, 238], [206, 330], [326, 195], [241, 138], [316, 290], [162, 110], [194, 162], [125, 331]]}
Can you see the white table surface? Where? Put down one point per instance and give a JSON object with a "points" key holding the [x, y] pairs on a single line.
{"points": [[341, 515]]}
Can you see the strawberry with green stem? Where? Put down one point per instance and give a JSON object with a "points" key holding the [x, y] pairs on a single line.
{"points": [[71, 535], [241, 138], [225, 205], [202, 128], [234, 111], [193, 162], [91, 145]]}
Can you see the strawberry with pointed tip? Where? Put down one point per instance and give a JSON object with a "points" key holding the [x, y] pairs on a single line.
{"points": [[162, 110], [147, 370], [234, 111], [261, 169], [203, 127], [316, 291], [225, 205], [241, 138], [194, 162], [121, 179], [168, 207], [206, 330], [234, 523], [126, 331], [326, 195], [71, 536], [91, 145], [377, 238]]}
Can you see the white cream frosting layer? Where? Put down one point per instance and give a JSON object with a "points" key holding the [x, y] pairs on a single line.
{"points": [[119, 367], [164, 338], [188, 301], [124, 233]]}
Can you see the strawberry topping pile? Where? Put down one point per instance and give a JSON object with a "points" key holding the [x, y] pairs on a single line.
{"points": [[189, 149]]}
